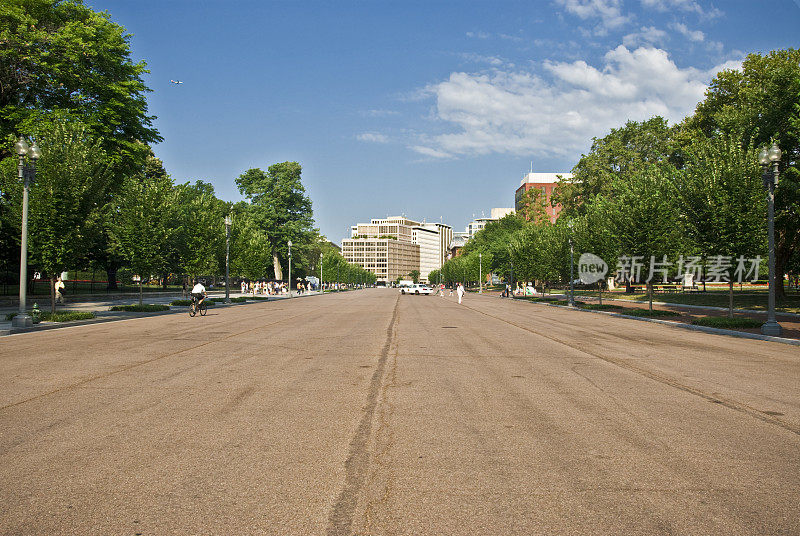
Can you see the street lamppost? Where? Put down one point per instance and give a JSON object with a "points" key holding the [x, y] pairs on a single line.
{"points": [[571, 263], [27, 174], [290, 268], [480, 272], [765, 157], [227, 258]]}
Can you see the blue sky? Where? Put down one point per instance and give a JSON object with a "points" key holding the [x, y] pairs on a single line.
{"points": [[430, 109]]}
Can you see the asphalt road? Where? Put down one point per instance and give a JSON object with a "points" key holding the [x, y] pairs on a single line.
{"points": [[373, 413]]}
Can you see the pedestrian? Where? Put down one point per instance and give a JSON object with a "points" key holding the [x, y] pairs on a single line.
{"points": [[59, 287], [460, 292], [451, 290]]}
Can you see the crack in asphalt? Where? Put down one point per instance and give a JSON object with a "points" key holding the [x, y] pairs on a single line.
{"points": [[711, 397], [340, 520], [147, 361]]}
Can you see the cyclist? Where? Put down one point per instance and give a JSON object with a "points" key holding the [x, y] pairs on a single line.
{"points": [[199, 292]]}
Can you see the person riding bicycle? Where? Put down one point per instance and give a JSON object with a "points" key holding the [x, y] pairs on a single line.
{"points": [[199, 292]]}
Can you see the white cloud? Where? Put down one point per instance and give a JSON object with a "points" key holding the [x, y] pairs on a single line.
{"points": [[648, 35], [521, 113], [373, 137], [428, 151], [380, 113], [608, 11], [494, 61], [691, 6], [692, 35], [479, 35]]}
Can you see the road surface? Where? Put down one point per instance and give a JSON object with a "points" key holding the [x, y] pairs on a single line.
{"points": [[368, 412]]}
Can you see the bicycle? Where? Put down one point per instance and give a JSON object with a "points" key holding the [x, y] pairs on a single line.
{"points": [[194, 308]]}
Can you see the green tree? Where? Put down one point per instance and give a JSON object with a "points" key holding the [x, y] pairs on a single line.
{"points": [[762, 102], [58, 57], [201, 235], [618, 155], [72, 177], [532, 206], [644, 219], [493, 240], [251, 253], [144, 224], [414, 275], [541, 252], [282, 209], [721, 200]]}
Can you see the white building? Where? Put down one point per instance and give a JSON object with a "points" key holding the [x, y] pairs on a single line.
{"points": [[429, 250]]}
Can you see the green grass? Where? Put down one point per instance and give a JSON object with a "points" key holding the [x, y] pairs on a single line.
{"points": [[603, 307], [144, 308], [747, 299], [727, 323], [648, 313]]}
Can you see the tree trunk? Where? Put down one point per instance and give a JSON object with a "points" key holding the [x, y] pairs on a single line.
{"points": [[53, 294], [730, 298], [650, 294], [600, 288], [111, 277], [276, 265], [140, 292], [780, 262]]}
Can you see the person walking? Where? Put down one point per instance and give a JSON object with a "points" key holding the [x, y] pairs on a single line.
{"points": [[460, 291], [59, 286]]}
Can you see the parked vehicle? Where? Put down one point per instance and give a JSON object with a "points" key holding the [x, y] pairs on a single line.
{"points": [[418, 288]]}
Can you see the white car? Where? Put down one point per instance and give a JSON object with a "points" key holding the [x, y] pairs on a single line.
{"points": [[416, 289]]}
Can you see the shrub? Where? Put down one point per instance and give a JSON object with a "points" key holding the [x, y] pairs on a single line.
{"points": [[66, 316], [181, 303], [726, 323], [144, 308], [603, 307], [649, 313], [62, 316]]}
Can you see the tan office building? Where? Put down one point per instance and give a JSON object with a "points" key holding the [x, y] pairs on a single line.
{"points": [[385, 247], [393, 247]]}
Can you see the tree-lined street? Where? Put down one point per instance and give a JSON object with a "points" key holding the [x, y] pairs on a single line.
{"points": [[373, 413]]}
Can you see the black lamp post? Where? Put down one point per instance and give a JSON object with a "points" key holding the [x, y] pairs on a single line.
{"points": [[765, 157], [227, 258], [26, 172], [571, 264], [290, 268]]}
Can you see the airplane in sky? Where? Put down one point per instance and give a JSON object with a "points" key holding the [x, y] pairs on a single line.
{"points": [[176, 81]]}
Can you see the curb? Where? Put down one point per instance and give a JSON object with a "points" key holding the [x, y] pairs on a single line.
{"points": [[687, 306], [681, 325], [113, 316]]}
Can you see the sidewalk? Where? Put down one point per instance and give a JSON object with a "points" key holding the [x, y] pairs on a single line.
{"points": [[101, 308], [790, 322]]}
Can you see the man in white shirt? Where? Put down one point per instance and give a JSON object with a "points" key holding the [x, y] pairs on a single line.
{"points": [[199, 292]]}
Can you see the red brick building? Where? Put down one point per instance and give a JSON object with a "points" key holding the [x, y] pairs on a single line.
{"points": [[546, 182]]}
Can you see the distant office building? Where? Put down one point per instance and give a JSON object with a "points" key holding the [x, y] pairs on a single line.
{"points": [[500, 213], [393, 247], [457, 244], [445, 237], [429, 251], [546, 183]]}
